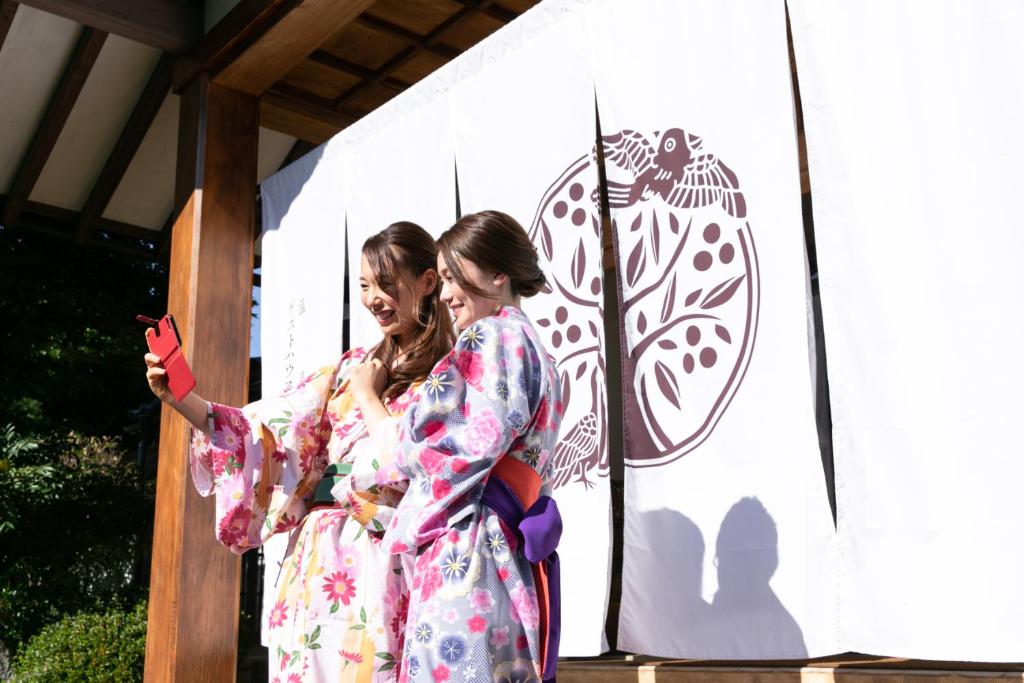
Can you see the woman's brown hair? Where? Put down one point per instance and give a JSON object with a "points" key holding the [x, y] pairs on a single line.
{"points": [[400, 251], [496, 243]]}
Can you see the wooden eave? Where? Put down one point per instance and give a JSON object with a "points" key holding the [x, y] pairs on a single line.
{"points": [[316, 65]]}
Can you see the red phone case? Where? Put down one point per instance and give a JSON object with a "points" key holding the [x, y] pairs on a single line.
{"points": [[163, 340]]}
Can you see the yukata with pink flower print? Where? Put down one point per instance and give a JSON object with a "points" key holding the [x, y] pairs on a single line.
{"points": [[340, 606], [473, 610]]}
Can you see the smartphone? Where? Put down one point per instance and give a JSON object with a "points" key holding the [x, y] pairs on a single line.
{"points": [[163, 340]]}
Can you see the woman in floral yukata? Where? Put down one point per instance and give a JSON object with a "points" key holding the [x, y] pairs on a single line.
{"points": [[341, 603], [476, 448]]}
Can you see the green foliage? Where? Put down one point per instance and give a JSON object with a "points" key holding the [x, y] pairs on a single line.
{"points": [[71, 350], [74, 531], [87, 648]]}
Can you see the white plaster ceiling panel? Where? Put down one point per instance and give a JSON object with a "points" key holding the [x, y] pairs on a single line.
{"points": [[95, 123], [274, 147], [32, 61], [145, 196]]}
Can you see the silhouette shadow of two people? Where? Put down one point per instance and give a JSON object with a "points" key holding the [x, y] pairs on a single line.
{"points": [[745, 618]]}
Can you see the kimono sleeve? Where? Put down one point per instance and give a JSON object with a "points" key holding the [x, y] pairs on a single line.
{"points": [[477, 401], [259, 460]]}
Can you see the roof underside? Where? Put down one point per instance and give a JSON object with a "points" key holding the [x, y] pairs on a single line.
{"points": [[89, 125]]}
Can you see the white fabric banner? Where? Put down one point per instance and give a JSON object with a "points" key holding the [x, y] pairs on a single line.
{"points": [[401, 167], [525, 133], [303, 260], [729, 546], [913, 120], [301, 304]]}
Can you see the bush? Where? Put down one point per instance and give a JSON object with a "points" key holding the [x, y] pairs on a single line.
{"points": [[74, 532], [87, 648]]}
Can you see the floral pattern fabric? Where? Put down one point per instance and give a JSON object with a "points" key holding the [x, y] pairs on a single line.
{"points": [[473, 612], [340, 606]]}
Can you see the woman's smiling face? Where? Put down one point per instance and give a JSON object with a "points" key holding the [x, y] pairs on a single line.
{"points": [[467, 307], [395, 315]]}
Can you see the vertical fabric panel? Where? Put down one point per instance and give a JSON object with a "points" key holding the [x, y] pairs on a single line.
{"points": [[301, 304], [524, 112], [400, 167], [303, 261], [914, 143], [729, 546]]}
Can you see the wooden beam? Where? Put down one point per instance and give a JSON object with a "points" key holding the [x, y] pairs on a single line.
{"points": [[300, 149], [351, 68], [262, 40], [59, 223], [146, 108], [424, 42], [165, 24], [193, 597], [228, 38], [495, 12], [303, 116], [8, 8], [84, 56], [414, 39]]}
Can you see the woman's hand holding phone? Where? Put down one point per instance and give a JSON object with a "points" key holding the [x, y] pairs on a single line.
{"points": [[157, 378], [192, 407]]}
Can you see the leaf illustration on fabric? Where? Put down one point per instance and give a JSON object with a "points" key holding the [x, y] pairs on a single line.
{"points": [[667, 383], [655, 237], [667, 344], [669, 302], [596, 225], [723, 334], [716, 298], [641, 323], [635, 264], [692, 296], [637, 222], [579, 371], [673, 224], [566, 388], [579, 264], [545, 236]]}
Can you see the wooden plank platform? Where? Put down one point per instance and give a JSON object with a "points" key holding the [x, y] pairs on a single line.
{"points": [[851, 668]]}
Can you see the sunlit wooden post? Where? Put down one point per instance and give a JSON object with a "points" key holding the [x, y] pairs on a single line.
{"points": [[193, 608]]}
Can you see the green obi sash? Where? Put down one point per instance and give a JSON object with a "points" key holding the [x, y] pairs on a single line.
{"points": [[332, 475]]}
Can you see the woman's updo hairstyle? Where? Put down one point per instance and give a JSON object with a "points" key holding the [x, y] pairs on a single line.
{"points": [[495, 243]]}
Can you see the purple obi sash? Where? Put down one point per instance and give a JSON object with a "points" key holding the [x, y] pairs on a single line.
{"points": [[512, 493]]}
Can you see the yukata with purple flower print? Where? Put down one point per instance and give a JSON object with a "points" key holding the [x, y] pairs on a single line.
{"points": [[341, 600], [473, 610]]}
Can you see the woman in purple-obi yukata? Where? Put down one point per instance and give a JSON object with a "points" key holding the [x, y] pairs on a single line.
{"points": [[477, 449]]}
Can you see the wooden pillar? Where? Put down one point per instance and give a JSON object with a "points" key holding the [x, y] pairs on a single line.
{"points": [[193, 602]]}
